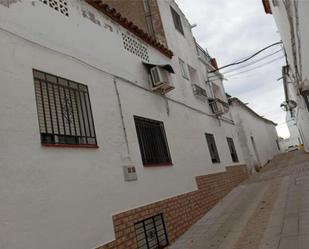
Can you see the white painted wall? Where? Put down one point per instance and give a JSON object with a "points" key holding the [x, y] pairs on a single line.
{"points": [[301, 35], [264, 134], [64, 198]]}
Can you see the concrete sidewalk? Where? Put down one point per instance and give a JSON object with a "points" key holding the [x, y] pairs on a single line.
{"points": [[269, 211]]}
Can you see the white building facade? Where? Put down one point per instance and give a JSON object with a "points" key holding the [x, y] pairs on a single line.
{"points": [[258, 136], [292, 20], [92, 149]]}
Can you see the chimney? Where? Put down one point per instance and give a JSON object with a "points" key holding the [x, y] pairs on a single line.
{"points": [[213, 62]]}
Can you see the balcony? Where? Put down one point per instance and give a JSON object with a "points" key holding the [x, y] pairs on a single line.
{"points": [[202, 54], [199, 91]]}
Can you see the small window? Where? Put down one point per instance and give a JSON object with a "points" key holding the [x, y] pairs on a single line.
{"points": [[151, 233], [183, 69], [152, 141], [212, 148], [64, 111], [177, 21], [306, 98], [233, 152], [193, 75]]}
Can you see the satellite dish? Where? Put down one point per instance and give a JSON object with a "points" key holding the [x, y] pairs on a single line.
{"points": [[288, 105], [284, 106], [292, 104]]}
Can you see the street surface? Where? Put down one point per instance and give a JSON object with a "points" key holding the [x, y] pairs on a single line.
{"points": [[268, 211]]}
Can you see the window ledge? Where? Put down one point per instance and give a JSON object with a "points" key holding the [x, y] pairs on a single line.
{"points": [[158, 165], [87, 146]]}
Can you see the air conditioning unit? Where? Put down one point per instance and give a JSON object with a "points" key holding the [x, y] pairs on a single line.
{"points": [[217, 107], [160, 80]]}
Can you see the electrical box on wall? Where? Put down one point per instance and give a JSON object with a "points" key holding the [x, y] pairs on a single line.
{"points": [[129, 173]]}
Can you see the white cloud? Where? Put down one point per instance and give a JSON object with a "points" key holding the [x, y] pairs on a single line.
{"points": [[232, 30]]}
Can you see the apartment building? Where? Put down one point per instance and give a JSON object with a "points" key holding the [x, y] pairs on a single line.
{"points": [[257, 135], [292, 19], [114, 137]]}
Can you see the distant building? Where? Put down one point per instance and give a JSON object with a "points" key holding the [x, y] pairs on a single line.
{"points": [[292, 21], [257, 135], [113, 135]]}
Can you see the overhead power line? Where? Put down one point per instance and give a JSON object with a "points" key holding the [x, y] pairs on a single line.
{"points": [[250, 57], [248, 70], [254, 62], [257, 67]]}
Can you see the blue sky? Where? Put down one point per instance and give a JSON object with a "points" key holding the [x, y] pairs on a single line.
{"points": [[233, 30]]}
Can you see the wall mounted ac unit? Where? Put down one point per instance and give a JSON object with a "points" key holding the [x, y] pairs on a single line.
{"points": [[160, 80], [217, 107]]}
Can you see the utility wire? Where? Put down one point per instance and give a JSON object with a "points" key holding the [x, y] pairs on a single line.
{"points": [[254, 62], [251, 69], [249, 64], [250, 57], [257, 67]]}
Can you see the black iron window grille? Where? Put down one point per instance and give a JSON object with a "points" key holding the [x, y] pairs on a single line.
{"points": [[151, 233], [233, 152], [212, 148], [152, 141], [64, 111], [177, 21]]}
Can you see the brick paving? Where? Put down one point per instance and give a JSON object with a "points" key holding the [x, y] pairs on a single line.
{"points": [[269, 211]]}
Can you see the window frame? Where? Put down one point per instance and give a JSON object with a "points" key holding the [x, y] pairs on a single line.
{"points": [[183, 69], [232, 148], [177, 21], [212, 147], [69, 124], [305, 95], [143, 236], [151, 157]]}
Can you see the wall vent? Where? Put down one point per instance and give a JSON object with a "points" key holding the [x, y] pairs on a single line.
{"points": [[58, 5], [135, 47]]}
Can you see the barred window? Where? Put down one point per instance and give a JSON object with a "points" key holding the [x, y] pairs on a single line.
{"points": [[212, 148], [152, 141], [233, 152], [151, 233], [64, 111]]}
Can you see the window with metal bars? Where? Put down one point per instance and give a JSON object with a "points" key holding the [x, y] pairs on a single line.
{"points": [[212, 148], [64, 111], [233, 152], [152, 142], [151, 233]]}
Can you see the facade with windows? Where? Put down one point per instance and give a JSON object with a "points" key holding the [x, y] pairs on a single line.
{"points": [[102, 133], [292, 20], [257, 136]]}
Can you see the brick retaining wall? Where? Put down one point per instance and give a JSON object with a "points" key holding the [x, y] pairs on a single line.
{"points": [[180, 212]]}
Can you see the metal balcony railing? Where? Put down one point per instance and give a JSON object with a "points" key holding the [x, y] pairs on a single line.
{"points": [[199, 91], [203, 55]]}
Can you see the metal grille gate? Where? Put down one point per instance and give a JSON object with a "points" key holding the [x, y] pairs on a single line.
{"points": [[151, 233]]}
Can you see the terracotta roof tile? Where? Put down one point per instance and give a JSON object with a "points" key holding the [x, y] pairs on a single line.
{"points": [[124, 22]]}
